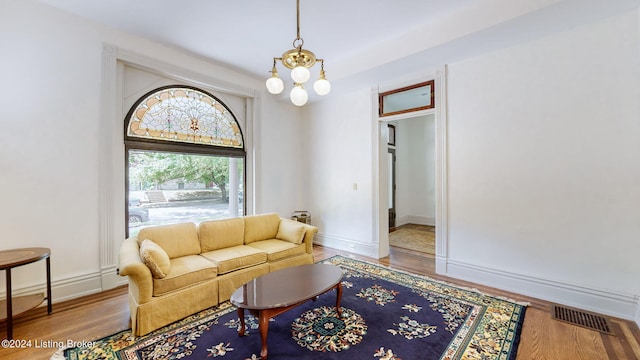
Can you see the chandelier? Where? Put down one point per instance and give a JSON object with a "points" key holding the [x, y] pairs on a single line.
{"points": [[299, 61]]}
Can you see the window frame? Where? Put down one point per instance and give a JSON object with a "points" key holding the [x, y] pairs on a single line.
{"points": [[381, 96], [158, 145]]}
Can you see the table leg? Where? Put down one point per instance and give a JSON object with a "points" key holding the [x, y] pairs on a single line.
{"points": [[49, 285], [241, 316], [338, 297], [264, 331], [9, 306]]}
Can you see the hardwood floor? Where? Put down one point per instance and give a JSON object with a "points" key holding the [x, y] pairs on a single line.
{"points": [[543, 338], [415, 237]]}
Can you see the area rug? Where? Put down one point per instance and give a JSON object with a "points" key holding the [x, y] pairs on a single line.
{"points": [[413, 239], [386, 314]]}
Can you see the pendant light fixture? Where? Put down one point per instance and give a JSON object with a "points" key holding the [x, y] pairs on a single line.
{"points": [[299, 60]]}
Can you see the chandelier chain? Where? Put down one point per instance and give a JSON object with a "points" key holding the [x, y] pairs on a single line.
{"points": [[298, 40]]}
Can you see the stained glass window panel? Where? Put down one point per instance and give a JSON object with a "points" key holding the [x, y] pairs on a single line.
{"points": [[186, 115]]}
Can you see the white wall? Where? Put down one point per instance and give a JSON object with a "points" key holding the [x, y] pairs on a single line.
{"points": [[281, 185], [415, 170], [48, 149], [50, 111], [339, 131], [543, 167]]}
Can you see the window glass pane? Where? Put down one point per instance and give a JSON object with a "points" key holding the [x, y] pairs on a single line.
{"points": [[411, 98], [181, 114], [167, 188]]}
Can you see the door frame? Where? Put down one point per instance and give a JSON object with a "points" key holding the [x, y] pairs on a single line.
{"points": [[392, 187], [380, 219]]}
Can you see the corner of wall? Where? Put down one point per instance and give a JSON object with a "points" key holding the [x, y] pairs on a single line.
{"points": [[637, 317], [343, 244], [110, 279], [441, 264]]}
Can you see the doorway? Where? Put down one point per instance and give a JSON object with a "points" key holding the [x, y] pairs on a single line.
{"points": [[380, 213], [411, 183]]}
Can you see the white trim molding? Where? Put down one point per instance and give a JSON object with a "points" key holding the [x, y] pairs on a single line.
{"points": [[379, 213], [64, 289], [414, 219], [349, 245], [637, 318], [442, 194], [601, 301], [107, 182]]}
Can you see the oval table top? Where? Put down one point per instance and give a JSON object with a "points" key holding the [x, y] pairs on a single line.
{"points": [[287, 286], [16, 257]]}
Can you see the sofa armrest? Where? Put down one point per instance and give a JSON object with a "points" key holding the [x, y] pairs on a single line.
{"points": [[308, 237], [131, 265]]}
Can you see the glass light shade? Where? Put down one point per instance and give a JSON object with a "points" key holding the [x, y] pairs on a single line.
{"points": [[322, 86], [300, 74], [275, 85], [298, 95]]}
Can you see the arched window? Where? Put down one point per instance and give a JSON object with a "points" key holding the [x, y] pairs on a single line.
{"points": [[184, 159]]}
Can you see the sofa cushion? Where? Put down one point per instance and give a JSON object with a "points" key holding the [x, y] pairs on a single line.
{"points": [[260, 227], [219, 234], [291, 231], [185, 271], [278, 249], [155, 258], [235, 258], [176, 239]]}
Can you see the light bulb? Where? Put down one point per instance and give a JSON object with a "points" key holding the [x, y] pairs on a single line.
{"points": [[275, 84], [322, 86], [298, 95], [300, 74]]}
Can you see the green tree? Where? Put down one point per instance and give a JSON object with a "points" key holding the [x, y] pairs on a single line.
{"points": [[151, 169], [210, 170]]}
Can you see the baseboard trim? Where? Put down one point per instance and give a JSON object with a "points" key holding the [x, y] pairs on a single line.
{"points": [[601, 301], [637, 319], [418, 220], [349, 245], [110, 278], [63, 289], [441, 265]]}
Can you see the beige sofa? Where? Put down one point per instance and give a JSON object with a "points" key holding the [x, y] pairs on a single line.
{"points": [[177, 270]]}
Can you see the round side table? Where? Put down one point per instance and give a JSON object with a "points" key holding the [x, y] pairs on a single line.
{"points": [[10, 259]]}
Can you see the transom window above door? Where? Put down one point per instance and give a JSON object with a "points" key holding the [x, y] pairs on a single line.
{"points": [[407, 99]]}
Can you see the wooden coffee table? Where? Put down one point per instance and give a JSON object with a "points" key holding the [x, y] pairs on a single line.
{"points": [[277, 292]]}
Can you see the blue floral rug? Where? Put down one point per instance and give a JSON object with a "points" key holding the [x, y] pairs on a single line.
{"points": [[386, 314]]}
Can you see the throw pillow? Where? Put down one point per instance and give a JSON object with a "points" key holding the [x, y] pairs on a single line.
{"points": [[155, 258], [291, 231]]}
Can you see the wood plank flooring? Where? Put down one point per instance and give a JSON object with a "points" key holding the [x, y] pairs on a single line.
{"points": [[543, 338], [416, 237]]}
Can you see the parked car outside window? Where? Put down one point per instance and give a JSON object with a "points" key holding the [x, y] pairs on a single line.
{"points": [[137, 213]]}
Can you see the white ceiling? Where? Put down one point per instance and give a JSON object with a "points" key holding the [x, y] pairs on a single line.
{"points": [[357, 38]]}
